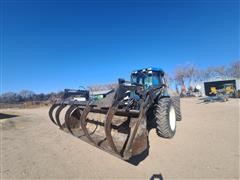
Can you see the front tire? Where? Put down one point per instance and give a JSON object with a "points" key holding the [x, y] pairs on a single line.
{"points": [[165, 118]]}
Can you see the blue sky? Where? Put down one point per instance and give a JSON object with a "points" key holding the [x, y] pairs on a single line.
{"points": [[51, 45]]}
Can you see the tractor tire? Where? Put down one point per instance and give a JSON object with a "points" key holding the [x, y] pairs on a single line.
{"points": [[176, 103], [165, 118]]}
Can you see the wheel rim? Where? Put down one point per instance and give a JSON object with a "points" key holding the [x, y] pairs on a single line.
{"points": [[172, 118]]}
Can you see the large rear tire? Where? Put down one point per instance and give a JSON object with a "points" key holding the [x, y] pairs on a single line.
{"points": [[165, 118], [176, 103]]}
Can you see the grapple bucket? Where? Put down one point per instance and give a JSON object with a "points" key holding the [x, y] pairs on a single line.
{"points": [[107, 124]]}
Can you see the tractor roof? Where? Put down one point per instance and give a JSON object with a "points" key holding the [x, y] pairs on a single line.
{"points": [[148, 69]]}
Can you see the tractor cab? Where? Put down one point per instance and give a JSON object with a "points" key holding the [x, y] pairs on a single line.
{"points": [[149, 77]]}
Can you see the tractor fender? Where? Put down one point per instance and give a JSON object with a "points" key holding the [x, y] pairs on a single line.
{"points": [[163, 93]]}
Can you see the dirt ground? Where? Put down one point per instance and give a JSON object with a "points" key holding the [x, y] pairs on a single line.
{"points": [[206, 145]]}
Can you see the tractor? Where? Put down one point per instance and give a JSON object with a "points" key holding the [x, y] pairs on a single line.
{"points": [[119, 123]]}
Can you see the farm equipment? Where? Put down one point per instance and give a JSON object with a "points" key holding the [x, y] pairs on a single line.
{"points": [[221, 95], [191, 92], [69, 97], [227, 87], [119, 123], [218, 98], [230, 90]]}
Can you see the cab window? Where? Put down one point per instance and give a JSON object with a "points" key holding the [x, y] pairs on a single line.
{"points": [[155, 80]]}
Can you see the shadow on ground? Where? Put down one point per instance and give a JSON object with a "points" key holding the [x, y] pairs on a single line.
{"points": [[6, 116], [156, 177]]}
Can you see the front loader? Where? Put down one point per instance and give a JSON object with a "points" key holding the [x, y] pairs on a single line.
{"points": [[119, 123]]}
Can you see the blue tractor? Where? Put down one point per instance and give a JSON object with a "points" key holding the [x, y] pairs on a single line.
{"points": [[120, 122]]}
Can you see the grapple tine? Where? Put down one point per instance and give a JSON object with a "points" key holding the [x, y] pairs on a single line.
{"points": [[129, 147], [50, 113], [57, 115], [68, 115], [108, 122], [107, 127], [83, 123]]}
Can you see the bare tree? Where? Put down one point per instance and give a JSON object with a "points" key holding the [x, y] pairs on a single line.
{"points": [[234, 69], [9, 97], [101, 87], [191, 73], [169, 79], [221, 71], [186, 75], [111, 86], [95, 87], [215, 71], [26, 94], [180, 76], [199, 75]]}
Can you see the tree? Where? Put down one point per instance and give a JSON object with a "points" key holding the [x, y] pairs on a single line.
{"points": [[101, 87], [8, 97], [180, 76], [234, 69], [220, 71], [191, 73], [26, 94], [169, 79]]}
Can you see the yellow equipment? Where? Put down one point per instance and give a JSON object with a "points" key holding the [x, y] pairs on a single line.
{"points": [[229, 89], [213, 90]]}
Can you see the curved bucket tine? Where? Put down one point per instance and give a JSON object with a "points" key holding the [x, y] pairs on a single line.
{"points": [[83, 123], [58, 113], [50, 113], [107, 126], [128, 150], [70, 113]]}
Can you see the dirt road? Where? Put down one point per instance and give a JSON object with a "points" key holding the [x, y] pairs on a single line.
{"points": [[206, 145]]}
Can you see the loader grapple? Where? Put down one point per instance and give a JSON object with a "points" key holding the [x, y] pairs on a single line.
{"points": [[110, 125]]}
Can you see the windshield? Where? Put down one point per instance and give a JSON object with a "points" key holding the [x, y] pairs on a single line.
{"points": [[151, 79]]}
